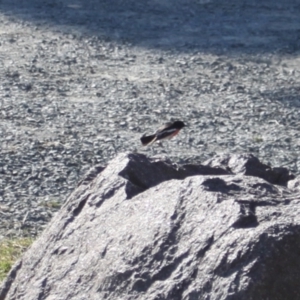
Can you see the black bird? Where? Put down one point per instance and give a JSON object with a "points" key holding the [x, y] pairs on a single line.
{"points": [[167, 131]]}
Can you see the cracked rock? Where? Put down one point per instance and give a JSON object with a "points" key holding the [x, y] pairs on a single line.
{"points": [[146, 229]]}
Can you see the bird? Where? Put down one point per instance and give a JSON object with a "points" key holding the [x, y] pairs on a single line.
{"points": [[167, 131]]}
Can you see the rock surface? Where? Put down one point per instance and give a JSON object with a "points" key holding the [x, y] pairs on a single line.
{"points": [[146, 229]]}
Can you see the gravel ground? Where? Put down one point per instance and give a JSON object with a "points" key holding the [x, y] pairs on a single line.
{"points": [[83, 80]]}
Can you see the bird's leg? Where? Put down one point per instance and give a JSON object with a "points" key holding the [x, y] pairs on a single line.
{"points": [[152, 150]]}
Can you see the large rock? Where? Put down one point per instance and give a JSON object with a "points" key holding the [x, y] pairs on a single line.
{"points": [[143, 229]]}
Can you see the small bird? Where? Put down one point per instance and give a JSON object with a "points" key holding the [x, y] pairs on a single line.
{"points": [[167, 131]]}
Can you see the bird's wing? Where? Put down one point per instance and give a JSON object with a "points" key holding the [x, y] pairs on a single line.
{"points": [[165, 133], [163, 127]]}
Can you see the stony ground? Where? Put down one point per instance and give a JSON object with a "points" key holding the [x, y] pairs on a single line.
{"points": [[83, 80]]}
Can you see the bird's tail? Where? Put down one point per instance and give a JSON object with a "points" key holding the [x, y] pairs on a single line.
{"points": [[148, 140]]}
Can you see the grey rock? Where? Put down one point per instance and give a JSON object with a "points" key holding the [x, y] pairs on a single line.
{"points": [[295, 183], [146, 229], [249, 165]]}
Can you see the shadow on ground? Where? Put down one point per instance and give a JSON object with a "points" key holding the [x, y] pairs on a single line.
{"points": [[289, 97], [233, 27]]}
